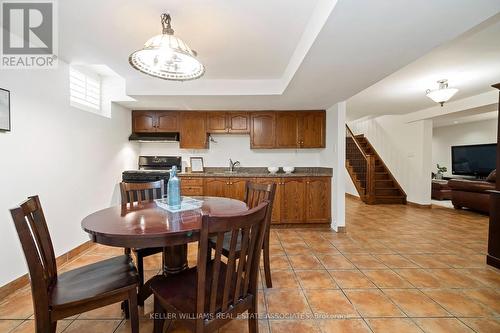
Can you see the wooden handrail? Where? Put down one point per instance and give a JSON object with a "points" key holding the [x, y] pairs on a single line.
{"points": [[356, 142]]}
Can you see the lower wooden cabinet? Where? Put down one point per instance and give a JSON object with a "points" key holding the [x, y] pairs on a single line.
{"points": [[318, 199], [297, 199], [192, 186], [293, 203], [233, 188]]}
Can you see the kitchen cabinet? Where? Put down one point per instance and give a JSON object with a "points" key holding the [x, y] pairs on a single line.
{"points": [[216, 187], [297, 199], [262, 130], [267, 129], [318, 199], [155, 121], [300, 129], [312, 129], [233, 188], [167, 121], [238, 122], [192, 186], [287, 124], [293, 200], [228, 122], [193, 130], [143, 122]]}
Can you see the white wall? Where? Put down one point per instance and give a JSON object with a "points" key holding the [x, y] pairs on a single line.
{"points": [[236, 147], [406, 149], [334, 157], [461, 134], [71, 158]]}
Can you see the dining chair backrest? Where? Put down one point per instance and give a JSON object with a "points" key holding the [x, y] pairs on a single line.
{"points": [[33, 233], [256, 193], [221, 287], [141, 192]]}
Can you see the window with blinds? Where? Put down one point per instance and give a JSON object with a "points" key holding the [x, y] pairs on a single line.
{"points": [[85, 91]]}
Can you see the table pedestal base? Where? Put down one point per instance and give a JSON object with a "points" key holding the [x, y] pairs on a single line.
{"points": [[174, 262], [175, 259]]}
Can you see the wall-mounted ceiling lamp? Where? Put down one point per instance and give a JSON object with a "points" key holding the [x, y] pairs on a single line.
{"points": [[442, 94], [167, 57]]}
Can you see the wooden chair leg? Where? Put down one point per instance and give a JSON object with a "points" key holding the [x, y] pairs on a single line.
{"points": [[125, 308], [253, 324], [133, 311], [127, 251], [159, 317], [140, 272], [267, 262]]}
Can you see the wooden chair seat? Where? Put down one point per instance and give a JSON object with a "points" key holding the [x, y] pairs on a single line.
{"points": [[177, 292], [86, 283]]}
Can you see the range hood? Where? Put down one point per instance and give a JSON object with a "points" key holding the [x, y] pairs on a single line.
{"points": [[154, 137]]}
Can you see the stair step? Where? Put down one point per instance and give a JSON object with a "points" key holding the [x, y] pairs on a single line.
{"points": [[387, 192], [390, 200], [384, 183]]}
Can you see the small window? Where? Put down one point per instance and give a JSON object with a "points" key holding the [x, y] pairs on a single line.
{"points": [[85, 91]]}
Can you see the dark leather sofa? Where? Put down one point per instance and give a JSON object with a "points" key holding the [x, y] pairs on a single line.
{"points": [[472, 194]]}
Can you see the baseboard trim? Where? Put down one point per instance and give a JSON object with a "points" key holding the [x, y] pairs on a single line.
{"points": [[300, 225], [417, 205], [24, 280], [493, 261], [352, 196]]}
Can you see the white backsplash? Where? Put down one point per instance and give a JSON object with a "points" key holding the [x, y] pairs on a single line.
{"points": [[236, 147]]}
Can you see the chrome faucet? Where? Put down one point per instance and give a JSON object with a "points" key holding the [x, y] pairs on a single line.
{"points": [[232, 165]]}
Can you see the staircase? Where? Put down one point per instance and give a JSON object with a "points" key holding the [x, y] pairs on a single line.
{"points": [[373, 180]]}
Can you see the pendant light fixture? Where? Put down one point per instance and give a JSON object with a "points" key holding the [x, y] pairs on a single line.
{"points": [[442, 94], [167, 57]]}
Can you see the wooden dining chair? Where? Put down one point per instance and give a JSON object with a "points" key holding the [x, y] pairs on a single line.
{"points": [[57, 296], [254, 195], [205, 297], [136, 194]]}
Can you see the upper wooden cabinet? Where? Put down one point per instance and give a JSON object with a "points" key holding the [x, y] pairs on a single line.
{"points": [[143, 122], [300, 129], [268, 129], [262, 130], [228, 122], [155, 121], [167, 121], [193, 130], [287, 125], [311, 129]]}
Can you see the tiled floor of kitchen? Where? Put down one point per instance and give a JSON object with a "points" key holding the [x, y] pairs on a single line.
{"points": [[397, 269]]}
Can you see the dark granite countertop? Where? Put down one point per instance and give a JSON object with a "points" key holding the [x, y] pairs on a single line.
{"points": [[259, 172]]}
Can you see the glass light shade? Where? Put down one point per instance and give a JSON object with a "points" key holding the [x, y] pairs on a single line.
{"points": [[167, 57], [442, 95]]}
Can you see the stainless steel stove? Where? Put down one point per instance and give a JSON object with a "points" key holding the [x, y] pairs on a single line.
{"points": [[152, 168]]}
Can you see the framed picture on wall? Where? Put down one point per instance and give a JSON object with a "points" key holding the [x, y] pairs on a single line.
{"points": [[196, 164], [4, 110]]}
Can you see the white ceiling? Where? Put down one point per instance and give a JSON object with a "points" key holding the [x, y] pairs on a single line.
{"points": [[486, 112], [287, 54], [471, 63]]}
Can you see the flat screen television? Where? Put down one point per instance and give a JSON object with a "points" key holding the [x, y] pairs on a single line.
{"points": [[473, 160]]}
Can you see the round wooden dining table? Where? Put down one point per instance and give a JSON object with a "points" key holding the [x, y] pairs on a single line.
{"points": [[147, 225]]}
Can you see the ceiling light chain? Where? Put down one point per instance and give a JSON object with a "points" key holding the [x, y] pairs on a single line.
{"points": [[165, 22]]}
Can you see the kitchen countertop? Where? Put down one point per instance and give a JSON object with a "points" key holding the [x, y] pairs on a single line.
{"points": [[259, 172]]}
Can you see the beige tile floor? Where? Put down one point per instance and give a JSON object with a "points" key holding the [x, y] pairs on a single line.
{"points": [[397, 269]]}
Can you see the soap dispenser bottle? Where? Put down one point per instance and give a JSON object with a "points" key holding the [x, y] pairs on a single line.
{"points": [[174, 189]]}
